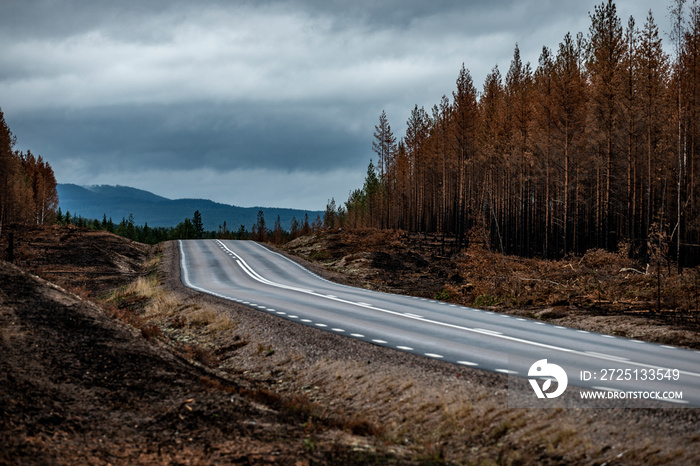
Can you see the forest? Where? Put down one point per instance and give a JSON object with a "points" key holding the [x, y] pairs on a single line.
{"points": [[27, 184], [598, 146], [193, 228]]}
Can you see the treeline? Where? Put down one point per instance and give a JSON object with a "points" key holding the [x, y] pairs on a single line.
{"points": [[193, 228], [599, 145], [27, 184]]}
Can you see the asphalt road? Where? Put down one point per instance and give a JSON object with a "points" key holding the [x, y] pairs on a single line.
{"points": [[622, 371]]}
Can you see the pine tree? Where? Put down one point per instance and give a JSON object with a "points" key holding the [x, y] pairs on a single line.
{"points": [[570, 118], [607, 47], [652, 64], [260, 228], [197, 225], [465, 121], [372, 190]]}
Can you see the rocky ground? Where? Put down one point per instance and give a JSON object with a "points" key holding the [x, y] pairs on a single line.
{"points": [[121, 364]]}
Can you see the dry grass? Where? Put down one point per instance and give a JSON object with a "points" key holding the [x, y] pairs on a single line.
{"points": [[147, 298], [451, 419]]}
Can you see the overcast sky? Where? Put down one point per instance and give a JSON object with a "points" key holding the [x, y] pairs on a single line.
{"points": [[253, 103]]}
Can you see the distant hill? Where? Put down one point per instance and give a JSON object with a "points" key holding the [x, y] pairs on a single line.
{"points": [[117, 202]]}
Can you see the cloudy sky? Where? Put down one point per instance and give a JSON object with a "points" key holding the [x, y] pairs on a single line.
{"points": [[253, 103]]}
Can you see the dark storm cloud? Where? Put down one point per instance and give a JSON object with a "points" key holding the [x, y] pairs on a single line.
{"points": [[184, 137], [106, 90]]}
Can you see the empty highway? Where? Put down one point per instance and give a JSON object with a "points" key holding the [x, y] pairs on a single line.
{"points": [[248, 273]]}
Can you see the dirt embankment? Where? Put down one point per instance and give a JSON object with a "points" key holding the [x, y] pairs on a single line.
{"points": [[84, 383], [191, 378]]}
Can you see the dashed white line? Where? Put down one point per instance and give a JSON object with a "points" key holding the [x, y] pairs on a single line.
{"points": [[306, 320], [467, 363], [434, 355], [492, 332], [380, 342], [357, 335], [282, 313], [338, 330], [405, 348], [321, 325], [257, 277], [505, 371], [606, 356]]}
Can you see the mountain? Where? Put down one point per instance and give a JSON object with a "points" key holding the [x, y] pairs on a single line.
{"points": [[119, 202]]}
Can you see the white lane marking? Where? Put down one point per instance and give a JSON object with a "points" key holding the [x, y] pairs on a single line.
{"points": [[293, 317], [271, 310], [382, 342], [408, 314], [246, 268], [521, 319], [505, 316], [505, 371], [321, 325], [608, 336], [490, 332], [607, 356], [405, 348], [467, 363], [338, 330], [281, 313], [306, 320], [433, 355], [669, 347], [357, 335]]}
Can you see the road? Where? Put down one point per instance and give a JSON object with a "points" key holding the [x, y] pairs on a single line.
{"points": [[621, 369]]}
